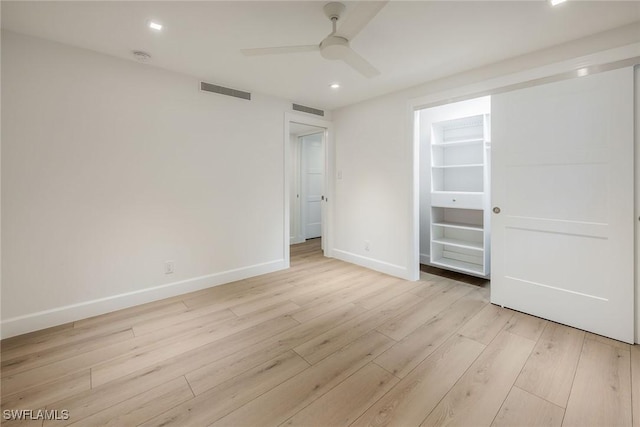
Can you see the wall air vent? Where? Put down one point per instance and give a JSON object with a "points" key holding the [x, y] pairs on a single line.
{"points": [[208, 87], [309, 110]]}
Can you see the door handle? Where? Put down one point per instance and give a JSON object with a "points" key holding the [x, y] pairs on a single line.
{"points": [[496, 210], [321, 197]]}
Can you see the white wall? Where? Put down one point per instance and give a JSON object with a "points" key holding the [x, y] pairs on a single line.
{"points": [[372, 184], [428, 116], [374, 199], [110, 168]]}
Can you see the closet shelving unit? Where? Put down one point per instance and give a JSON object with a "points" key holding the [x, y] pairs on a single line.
{"points": [[460, 194]]}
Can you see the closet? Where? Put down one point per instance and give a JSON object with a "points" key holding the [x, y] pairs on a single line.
{"points": [[535, 187], [455, 187]]}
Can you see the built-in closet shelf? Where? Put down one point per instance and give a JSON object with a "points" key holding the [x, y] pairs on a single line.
{"points": [[466, 244], [456, 193], [455, 264], [459, 143], [458, 225], [458, 166], [460, 211]]}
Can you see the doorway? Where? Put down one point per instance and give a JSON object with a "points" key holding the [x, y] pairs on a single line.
{"points": [[307, 179], [454, 147], [308, 182]]}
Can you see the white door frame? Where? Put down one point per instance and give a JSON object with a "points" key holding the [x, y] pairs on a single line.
{"points": [[576, 67], [327, 222]]}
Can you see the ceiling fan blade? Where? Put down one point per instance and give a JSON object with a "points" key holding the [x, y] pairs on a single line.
{"points": [[358, 63], [359, 17], [279, 50]]}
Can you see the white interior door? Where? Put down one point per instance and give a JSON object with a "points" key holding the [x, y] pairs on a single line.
{"points": [[312, 184], [562, 177]]}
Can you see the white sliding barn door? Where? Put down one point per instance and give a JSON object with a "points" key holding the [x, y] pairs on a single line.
{"points": [[562, 179]]}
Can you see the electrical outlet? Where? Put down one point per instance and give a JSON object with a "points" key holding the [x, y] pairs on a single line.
{"points": [[367, 245], [168, 267]]}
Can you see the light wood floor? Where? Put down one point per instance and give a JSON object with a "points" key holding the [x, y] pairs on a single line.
{"points": [[324, 343]]}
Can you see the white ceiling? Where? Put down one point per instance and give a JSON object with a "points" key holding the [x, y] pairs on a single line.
{"points": [[410, 42]]}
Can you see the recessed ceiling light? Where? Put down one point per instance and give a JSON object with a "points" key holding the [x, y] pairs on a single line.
{"points": [[557, 2], [155, 26], [582, 72], [335, 86]]}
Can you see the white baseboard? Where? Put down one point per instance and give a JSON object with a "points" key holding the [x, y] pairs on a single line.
{"points": [[373, 264], [425, 259], [70, 313]]}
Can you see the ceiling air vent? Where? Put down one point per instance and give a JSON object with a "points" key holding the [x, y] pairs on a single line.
{"points": [[309, 110], [208, 87]]}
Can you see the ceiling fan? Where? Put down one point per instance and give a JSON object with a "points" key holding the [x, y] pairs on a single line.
{"points": [[336, 44]]}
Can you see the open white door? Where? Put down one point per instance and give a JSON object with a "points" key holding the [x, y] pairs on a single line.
{"points": [[562, 192], [312, 169]]}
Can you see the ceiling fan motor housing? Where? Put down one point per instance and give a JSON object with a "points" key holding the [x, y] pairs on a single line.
{"points": [[334, 47]]}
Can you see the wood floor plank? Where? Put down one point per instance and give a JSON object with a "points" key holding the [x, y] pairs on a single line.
{"points": [[149, 326], [31, 338], [283, 401], [410, 401], [348, 400], [268, 300], [526, 326], [223, 399], [64, 337], [327, 343], [601, 393], [485, 291], [344, 296], [50, 355], [550, 370], [163, 338], [319, 288], [24, 422], [101, 397], [487, 323], [614, 343], [635, 384], [142, 407], [526, 410], [212, 374], [402, 325], [150, 355], [41, 396], [389, 292], [415, 347], [233, 293], [125, 318], [223, 297], [434, 286], [480, 392], [286, 335]]}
